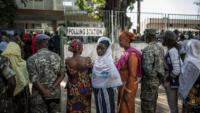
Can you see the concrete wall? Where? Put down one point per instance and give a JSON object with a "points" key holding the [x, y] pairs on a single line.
{"points": [[89, 50]]}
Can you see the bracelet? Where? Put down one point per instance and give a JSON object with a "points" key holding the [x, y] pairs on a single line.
{"points": [[128, 90]]}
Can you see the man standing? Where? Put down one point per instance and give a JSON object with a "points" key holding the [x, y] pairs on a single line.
{"points": [[7, 85], [46, 73], [153, 64], [54, 43]]}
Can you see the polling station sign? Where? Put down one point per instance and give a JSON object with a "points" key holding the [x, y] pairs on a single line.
{"points": [[85, 31]]}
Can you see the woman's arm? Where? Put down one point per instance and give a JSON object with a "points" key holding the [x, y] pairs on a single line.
{"points": [[131, 84], [175, 60], [89, 64]]}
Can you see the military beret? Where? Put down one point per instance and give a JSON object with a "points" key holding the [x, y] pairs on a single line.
{"points": [[42, 37], [3, 46]]}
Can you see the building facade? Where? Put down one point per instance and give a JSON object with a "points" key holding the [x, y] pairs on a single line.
{"points": [[41, 15], [181, 24]]}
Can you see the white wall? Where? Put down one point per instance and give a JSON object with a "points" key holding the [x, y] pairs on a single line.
{"points": [[89, 50]]}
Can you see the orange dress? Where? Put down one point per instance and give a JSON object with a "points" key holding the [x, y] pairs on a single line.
{"points": [[129, 78]]}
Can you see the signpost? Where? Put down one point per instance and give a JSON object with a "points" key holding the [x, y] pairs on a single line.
{"points": [[67, 4], [85, 31]]}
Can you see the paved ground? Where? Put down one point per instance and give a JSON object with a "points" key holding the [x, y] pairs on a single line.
{"points": [[162, 106]]}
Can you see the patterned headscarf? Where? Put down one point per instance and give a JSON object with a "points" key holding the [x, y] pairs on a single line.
{"points": [[75, 45]]}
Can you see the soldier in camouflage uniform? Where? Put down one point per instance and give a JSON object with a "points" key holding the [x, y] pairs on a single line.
{"points": [[153, 64], [46, 73], [7, 85]]}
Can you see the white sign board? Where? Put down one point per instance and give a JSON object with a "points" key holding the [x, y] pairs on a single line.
{"points": [[10, 32], [85, 31], [68, 3]]}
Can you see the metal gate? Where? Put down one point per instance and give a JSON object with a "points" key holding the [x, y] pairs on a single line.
{"points": [[88, 28], [183, 22], [112, 22]]}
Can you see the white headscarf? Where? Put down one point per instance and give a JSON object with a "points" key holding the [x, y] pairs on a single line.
{"points": [[105, 73], [191, 67], [193, 52]]}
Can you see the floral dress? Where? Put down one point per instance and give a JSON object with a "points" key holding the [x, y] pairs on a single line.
{"points": [[79, 90], [193, 99]]}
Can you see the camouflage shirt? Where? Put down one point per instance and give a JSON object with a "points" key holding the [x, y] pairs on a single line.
{"points": [[5, 73], [153, 60], [44, 67]]}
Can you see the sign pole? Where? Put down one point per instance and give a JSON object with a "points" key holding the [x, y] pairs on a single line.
{"points": [[112, 26]]}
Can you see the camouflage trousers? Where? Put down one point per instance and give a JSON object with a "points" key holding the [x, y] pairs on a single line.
{"points": [[21, 101], [6, 104], [16, 104], [40, 105], [149, 95]]}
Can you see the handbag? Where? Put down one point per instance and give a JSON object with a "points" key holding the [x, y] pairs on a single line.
{"points": [[174, 82]]}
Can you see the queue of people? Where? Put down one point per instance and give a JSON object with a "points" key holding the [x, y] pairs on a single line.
{"points": [[153, 65], [33, 86]]}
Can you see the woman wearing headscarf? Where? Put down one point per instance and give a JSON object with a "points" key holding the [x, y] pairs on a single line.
{"points": [[173, 70], [13, 53], [105, 77], [129, 66], [79, 87], [190, 78]]}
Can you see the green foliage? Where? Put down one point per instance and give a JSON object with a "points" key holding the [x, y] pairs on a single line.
{"points": [[7, 12], [92, 7]]}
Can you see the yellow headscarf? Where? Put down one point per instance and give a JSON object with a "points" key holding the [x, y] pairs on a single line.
{"points": [[13, 53]]}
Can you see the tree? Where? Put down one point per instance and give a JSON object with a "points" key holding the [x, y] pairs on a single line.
{"points": [[94, 7], [91, 6], [7, 12]]}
